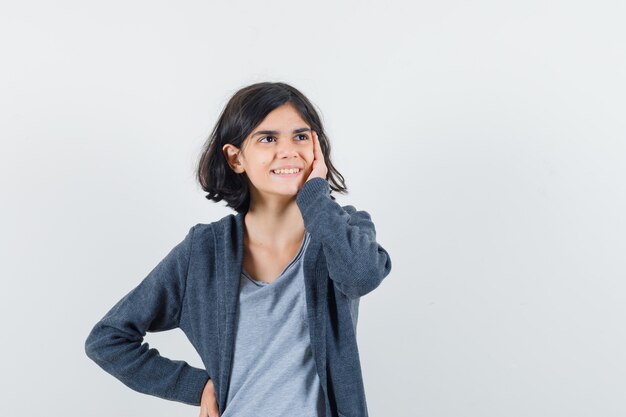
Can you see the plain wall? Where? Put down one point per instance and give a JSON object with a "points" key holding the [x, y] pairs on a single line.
{"points": [[485, 138]]}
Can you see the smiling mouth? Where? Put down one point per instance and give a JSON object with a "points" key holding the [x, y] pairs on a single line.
{"points": [[287, 173]]}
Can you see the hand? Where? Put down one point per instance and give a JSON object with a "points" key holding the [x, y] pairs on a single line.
{"points": [[208, 403], [319, 166]]}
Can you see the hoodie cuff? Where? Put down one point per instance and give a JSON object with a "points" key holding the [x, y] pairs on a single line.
{"points": [[191, 385], [312, 190]]}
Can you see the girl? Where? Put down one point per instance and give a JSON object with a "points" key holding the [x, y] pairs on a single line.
{"points": [[268, 296]]}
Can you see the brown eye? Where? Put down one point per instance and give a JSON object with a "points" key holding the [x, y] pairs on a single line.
{"points": [[265, 137]]}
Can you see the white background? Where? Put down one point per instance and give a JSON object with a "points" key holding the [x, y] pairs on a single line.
{"points": [[485, 138]]}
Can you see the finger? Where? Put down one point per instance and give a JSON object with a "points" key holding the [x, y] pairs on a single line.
{"points": [[214, 412], [314, 149], [208, 411], [317, 148], [320, 154]]}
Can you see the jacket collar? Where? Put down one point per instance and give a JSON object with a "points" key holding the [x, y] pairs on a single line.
{"points": [[229, 263]]}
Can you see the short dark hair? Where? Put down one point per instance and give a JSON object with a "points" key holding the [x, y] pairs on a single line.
{"points": [[244, 111]]}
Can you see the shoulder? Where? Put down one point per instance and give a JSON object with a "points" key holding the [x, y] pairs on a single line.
{"points": [[227, 221], [205, 232], [354, 212], [349, 208]]}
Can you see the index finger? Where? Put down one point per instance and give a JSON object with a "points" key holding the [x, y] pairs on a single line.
{"points": [[318, 149]]}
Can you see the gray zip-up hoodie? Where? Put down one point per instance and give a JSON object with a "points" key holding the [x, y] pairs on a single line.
{"points": [[196, 287]]}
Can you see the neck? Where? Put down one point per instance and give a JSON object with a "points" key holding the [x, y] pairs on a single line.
{"points": [[275, 223]]}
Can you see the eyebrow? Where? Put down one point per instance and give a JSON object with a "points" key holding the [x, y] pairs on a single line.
{"points": [[276, 132]]}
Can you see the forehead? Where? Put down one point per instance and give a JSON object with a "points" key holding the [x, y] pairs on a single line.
{"points": [[285, 116]]}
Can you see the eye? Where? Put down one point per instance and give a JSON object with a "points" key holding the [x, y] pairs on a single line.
{"points": [[304, 137]]}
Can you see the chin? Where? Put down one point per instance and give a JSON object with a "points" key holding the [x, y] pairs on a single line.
{"points": [[288, 191]]}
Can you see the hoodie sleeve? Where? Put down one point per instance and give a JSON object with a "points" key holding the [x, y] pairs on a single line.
{"points": [[115, 342], [356, 262]]}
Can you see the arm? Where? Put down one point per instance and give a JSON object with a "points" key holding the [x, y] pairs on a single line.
{"points": [[115, 342], [356, 262]]}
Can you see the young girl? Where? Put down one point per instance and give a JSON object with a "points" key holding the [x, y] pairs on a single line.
{"points": [[268, 296]]}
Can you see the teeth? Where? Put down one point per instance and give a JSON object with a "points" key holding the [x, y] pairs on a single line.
{"points": [[286, 171]]}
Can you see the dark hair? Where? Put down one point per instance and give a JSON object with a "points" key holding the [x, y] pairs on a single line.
{"points": [[243, 112]]}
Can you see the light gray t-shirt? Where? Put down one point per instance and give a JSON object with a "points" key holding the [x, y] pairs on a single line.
{"points": [[273, 369]]}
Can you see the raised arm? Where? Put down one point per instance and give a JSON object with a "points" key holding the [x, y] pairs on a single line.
{"points": [[115, 342], [356, 262]]}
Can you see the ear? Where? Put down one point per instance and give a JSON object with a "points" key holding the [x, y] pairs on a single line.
{"points": [[231, 152]]}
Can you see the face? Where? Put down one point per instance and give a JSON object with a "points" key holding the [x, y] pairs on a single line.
{"points": [[282, 139]]}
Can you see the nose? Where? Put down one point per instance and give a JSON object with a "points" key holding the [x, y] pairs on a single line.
{"points": [[286, 148]]}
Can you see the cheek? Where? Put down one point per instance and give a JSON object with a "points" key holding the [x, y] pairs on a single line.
{"points": [[309, 155], [263, 164]]}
